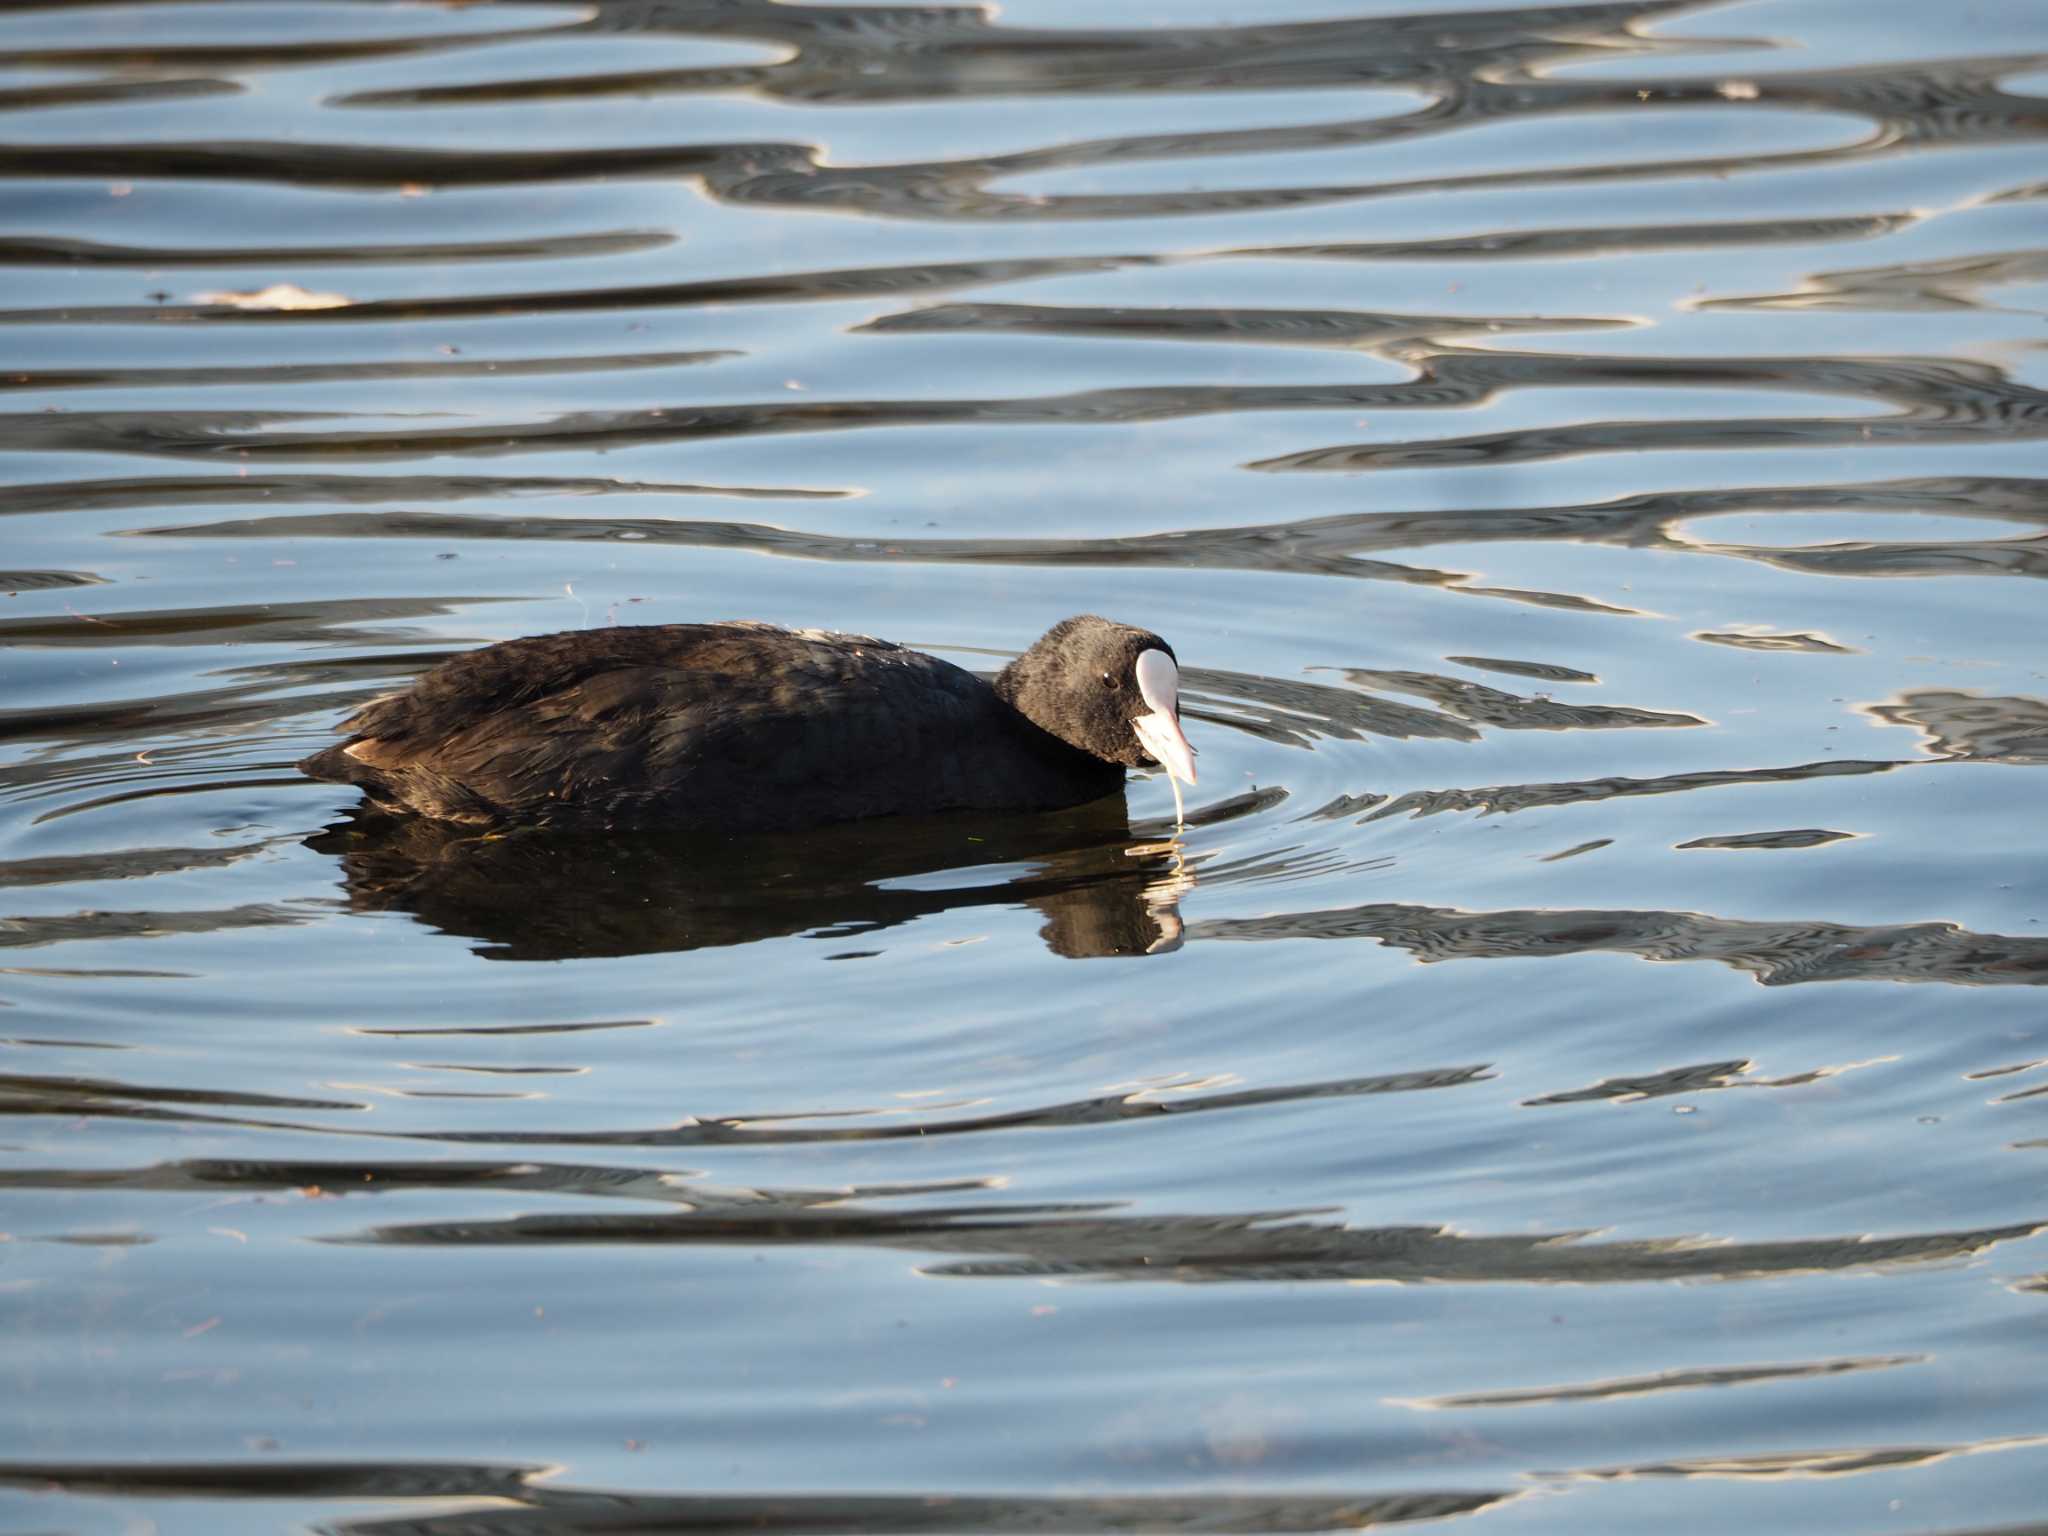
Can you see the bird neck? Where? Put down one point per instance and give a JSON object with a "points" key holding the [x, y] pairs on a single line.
{"points": [[1008, 682], [1013, 685]]}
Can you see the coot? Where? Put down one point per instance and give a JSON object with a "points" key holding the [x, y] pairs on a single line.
{"points": [[745, 727]]}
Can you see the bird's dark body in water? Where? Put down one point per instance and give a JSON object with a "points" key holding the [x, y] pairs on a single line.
{"points": [[728, 728]]}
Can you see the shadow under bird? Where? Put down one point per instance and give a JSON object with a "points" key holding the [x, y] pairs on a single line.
{"points": [[643, 890], [745, 727]]}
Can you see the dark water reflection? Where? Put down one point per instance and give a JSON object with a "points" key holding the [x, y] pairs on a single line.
{"points": [[1937, 403], [1100, 892], [517, 1499], [364, 1176]]}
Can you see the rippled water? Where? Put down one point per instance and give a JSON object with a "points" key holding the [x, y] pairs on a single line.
{"points": [[1590, 461]]}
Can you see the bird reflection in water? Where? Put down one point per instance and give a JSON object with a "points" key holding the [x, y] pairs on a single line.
{"points": [[533, 895]]}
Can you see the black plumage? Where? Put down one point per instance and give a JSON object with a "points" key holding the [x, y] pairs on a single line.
{"points": [[746, 727]]}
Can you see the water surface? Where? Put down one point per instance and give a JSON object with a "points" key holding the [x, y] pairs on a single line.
{"points": [[1584, 1060]]}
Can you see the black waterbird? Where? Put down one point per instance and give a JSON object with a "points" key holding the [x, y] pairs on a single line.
{"points": [[745, 727]]}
